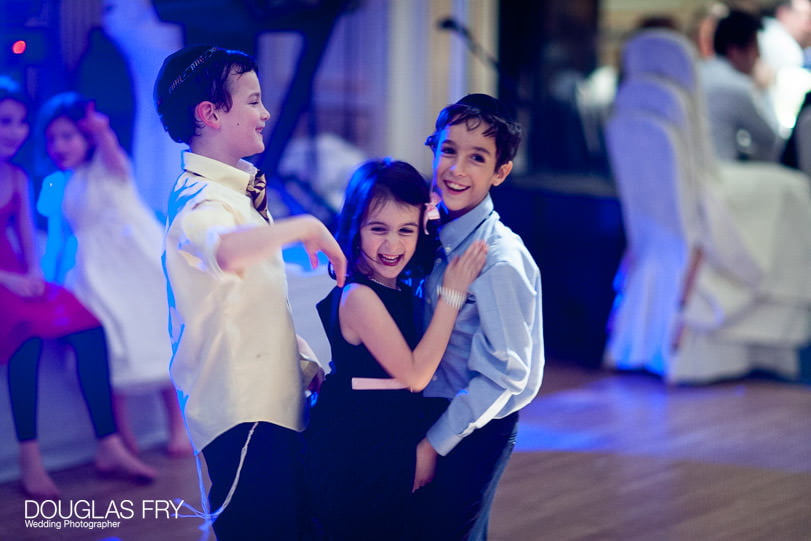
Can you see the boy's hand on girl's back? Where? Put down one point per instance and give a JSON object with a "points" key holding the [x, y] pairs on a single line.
{"points": [[321, 240]]}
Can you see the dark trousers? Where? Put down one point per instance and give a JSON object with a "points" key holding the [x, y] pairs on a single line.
{"points": [[266, 503], [456, 504], [93, 372]]}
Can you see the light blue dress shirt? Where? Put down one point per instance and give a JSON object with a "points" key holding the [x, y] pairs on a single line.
{"points": [[493, 365]]}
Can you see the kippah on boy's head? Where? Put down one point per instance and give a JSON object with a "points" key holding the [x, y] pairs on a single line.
{"points": [[192, 75], [489, 105], [474, 109]]}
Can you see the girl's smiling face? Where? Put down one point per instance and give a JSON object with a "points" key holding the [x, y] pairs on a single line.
{"points": [[388, 239], [65, 144], [14, 127]]}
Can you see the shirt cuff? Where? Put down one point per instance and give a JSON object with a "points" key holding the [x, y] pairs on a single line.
{"points": [[213, 239], [441, 436], [203, 257]]}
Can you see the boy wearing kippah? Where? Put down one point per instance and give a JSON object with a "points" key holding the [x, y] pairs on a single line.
{"points": [[235, 360], [494, 362]]}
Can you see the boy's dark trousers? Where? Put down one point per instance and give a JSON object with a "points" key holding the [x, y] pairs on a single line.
{"points": [[456, 504], [267, 500]]}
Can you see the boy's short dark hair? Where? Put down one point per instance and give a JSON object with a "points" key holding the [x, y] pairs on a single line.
{"points": [[192, 75], [474, 109], [738, 29]]}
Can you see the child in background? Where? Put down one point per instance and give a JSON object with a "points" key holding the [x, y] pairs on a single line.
{"points": [[93, 208], [34, 310], [494, 362], [236, 355], [366, 423]]}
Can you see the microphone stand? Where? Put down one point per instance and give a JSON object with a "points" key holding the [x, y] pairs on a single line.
{"points": [[479, 52]]}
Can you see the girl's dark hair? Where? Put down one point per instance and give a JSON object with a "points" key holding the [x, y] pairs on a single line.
{"points": [[475, 109], [11, 90], [373, 184], [192, 75]]}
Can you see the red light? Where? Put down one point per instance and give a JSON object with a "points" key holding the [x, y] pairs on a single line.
{"points": [[19, 46]]}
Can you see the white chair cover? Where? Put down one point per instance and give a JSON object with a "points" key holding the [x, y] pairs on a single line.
{"points": [[671, 57], [653, 200], [749, 304]]}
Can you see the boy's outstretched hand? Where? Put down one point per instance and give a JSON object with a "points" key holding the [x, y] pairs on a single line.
{"points": [[321, 240], [244, 247]]}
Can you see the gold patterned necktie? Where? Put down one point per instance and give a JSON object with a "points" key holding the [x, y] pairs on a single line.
{"points": [[257, 191]]}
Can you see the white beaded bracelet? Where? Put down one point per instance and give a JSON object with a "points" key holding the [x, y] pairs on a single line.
{"points": [[456, 299]]}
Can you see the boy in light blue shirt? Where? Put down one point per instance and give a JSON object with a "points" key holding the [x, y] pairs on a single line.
{"points": [[493, 365]]}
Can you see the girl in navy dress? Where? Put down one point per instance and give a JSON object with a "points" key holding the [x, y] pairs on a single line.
{"points": [[366, 424]]}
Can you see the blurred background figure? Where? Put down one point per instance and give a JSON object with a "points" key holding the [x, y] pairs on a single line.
{"points": [[742, 125], [701, 26], [714, 245], [34, 310], [105, 246], [786, 34]]}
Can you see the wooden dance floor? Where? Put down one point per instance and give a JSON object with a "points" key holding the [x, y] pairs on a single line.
{"points": [[600, 456]]}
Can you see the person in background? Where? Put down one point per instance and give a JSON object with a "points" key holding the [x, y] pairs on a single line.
{"points": [[786, 33], [105, 245], [701, 27], [35, 310], [740, 122]]}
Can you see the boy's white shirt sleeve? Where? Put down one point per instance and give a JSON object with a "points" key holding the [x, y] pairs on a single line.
{"points": [[501, 350], [201, 229]]}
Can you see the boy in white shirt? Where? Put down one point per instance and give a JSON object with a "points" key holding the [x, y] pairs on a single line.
{"points": [[235, 360]]}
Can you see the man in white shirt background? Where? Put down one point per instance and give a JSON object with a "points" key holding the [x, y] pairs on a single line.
{"points": [[786, 34]]}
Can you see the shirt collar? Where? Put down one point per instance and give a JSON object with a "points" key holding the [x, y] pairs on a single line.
{"points": [[232, 177], [452, 233]]}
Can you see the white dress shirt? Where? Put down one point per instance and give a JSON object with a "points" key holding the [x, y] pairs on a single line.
{"points": [[235, 356], [784, 56]]}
